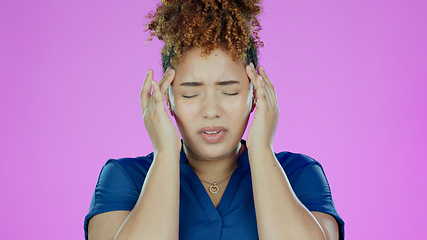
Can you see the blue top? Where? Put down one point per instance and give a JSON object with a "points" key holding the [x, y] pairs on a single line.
{"points": [[120, 182]]}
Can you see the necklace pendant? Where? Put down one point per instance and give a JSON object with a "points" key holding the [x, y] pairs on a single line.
{"points": [[214, 188]]}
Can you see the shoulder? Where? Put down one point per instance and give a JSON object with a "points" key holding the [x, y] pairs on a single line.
{"points": [[287, 157], [295, 162], [132, 163], [305, 174], [124, 173], [118, 186], [310, 185]]}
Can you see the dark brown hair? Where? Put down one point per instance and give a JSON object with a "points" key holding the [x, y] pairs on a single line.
{"points": [[206, 24]]}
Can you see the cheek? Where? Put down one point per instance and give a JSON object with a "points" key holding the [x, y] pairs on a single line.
{"points": [[186, 109], [238, 107], [184, 114]]}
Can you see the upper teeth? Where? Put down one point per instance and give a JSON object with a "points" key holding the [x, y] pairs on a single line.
{"points": [[211, 132]]}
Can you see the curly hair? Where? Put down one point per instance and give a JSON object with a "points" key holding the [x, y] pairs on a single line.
{"points": [[206, 24]]}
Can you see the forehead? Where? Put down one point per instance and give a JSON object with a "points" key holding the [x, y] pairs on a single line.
{"points": [[219, 65]]}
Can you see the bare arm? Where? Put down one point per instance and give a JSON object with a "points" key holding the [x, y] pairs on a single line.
{"points": [[329, 225], [106, 225], [156, 213], [279, 213]]}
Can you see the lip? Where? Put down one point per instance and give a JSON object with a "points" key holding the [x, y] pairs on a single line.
{"points": [[213, 134]]}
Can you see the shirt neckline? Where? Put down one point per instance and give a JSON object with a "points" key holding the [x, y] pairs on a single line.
{"points": [[214, 214]]}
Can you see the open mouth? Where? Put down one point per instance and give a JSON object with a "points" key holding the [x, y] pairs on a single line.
{"points": [[213, 134]]}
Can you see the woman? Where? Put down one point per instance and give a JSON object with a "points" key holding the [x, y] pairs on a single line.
{"points": [[211, 184]]}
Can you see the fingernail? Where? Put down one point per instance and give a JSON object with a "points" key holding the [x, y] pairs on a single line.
{"points": [[148, 71], [168, 70], [252, 65], [261, 68]]}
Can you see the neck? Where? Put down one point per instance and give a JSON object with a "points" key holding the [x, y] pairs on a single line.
{"points": [[214, 170]]}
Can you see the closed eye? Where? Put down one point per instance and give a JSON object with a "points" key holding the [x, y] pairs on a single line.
{"points": [[191, 96]]}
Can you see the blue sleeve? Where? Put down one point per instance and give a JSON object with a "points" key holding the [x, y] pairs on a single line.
{"points": [[310, 185], [114, 191]]}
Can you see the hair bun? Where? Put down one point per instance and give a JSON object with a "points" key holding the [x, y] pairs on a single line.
{"points": [[170, 1], [207, 24]]}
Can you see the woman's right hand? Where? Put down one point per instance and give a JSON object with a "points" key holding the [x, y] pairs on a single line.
{"points": [[162, 131]]}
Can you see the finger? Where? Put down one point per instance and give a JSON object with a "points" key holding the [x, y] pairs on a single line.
{"points": [[267, 100], [167, 80], [256, 81], [268, 88], [165, 75], [146, 88], [267, 81], [270, 97], [156, 93], [260, 91], [250, 71]]}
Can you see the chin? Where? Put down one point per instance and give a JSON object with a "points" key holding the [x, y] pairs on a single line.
{"points": [[215, 151]]}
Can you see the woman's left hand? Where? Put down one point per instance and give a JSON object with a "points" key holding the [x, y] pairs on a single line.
{"points": [[263, 127]]}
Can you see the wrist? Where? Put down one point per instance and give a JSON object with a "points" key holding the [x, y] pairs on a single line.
{"points": [[260, 151], [168, 147], [166, 153]]}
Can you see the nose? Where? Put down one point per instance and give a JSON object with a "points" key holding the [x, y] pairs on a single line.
{"points": [[211, 107]]}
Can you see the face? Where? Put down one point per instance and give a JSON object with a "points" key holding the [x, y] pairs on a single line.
{"points": [[211, 99]]}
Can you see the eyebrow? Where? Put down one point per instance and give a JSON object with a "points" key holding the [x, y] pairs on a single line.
{"points": [[229, 82], [221, 83]]}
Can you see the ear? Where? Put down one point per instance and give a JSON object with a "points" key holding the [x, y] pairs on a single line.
{"points": [[168, 102], [253, 104], [254, 98]]}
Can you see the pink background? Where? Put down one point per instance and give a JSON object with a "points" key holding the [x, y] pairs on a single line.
{"points": [[351, 78]]}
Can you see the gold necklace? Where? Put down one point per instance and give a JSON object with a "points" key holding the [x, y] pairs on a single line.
{"points": [[214, 186]]}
